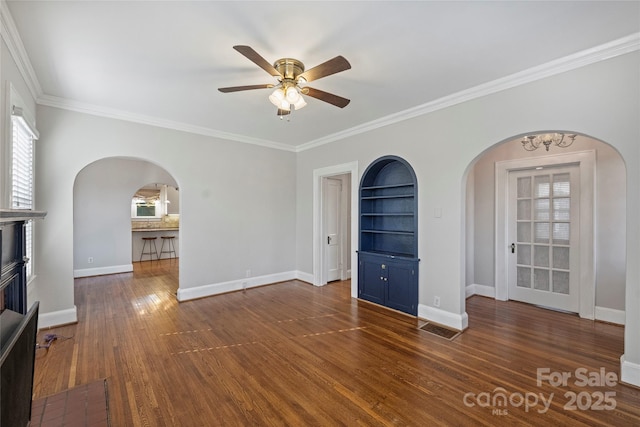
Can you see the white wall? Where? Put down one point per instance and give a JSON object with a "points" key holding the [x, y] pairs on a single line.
{"points": [[173, 196], [237, 201], [610, 215], [9, 73], [600, 100], [102, 212]]}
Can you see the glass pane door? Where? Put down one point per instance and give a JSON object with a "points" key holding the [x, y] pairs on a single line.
{"points": [[544, 211]]}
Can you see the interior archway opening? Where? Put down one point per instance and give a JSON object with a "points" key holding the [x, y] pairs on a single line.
{"points": [[118, 201], [488, 255]]}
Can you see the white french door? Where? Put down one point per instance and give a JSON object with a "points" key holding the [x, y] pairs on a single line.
{"points": [[543, 231]]}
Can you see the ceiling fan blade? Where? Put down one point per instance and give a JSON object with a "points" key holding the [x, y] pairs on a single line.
{"points": [[239, 88], [336, 100], [332, 66], [255, 57]]}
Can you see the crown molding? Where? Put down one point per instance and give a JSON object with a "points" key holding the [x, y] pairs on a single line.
{"points": [[583, 58], [113, 113], [580, 59], [10, 35]]}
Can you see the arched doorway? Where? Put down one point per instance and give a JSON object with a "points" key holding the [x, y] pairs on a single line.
{"points": [[486, 270], [102, 199]]}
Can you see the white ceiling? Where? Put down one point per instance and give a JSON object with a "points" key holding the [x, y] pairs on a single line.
{"points": [[162, 62]]}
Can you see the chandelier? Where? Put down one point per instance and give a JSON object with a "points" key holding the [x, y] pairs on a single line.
{"points": [[533, 142]]}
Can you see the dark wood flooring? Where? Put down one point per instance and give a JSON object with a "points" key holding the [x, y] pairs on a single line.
{"points": [[294, 354]]}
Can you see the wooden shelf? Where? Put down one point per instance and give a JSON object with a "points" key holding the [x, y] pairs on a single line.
{"points": [[394, 196], [406, 233], [376, 187], [387, 214], [392, 255]]}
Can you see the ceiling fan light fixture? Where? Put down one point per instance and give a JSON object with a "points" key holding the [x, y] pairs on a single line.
{"points": [[300, 103], [285, 105], [277, 97], [292, 94]]}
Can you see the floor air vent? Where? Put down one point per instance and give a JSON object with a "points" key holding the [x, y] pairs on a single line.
{"points": [[440, 331]]}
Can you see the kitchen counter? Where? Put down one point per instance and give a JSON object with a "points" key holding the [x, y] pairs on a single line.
{"points": [[156, 229], [138, 233]]}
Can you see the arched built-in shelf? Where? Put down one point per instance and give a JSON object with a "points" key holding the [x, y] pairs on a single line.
{"points": [[388, 252]]}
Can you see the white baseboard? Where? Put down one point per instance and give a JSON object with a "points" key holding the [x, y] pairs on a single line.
{"points": [[99, 271], [445, 318], [610, 315], [482, 290], [305, 277], [57, 318], [186, 294], [629, 372], [601, 313]]}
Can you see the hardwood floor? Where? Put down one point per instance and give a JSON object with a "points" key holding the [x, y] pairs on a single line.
{"points": [[295, 354]]}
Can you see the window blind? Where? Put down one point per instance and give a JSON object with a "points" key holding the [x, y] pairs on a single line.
{"points": [[22, 176], [22, 166]]}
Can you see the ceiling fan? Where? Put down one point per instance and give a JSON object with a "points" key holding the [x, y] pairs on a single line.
{"points": [[292, 79]]}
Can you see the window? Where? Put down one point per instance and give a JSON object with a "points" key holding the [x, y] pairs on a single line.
{"points": [[150, 202], [141, 208], [22, 158]]}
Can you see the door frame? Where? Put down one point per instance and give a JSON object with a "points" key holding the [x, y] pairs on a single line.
{"points": [[319, 278], [586, 162]]}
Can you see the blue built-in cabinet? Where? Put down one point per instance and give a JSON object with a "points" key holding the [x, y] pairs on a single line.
{"points": [[388, 252]]}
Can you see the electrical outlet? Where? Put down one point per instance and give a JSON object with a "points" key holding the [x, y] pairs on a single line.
{"points": [[244, 286], [90, 260], [436, 301], [248, 273]]}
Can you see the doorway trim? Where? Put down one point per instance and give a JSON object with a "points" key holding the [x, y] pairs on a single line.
{"points": [[318, 240], [586, 163]]}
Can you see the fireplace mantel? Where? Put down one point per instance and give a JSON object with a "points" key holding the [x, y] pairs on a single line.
{"points": [[8, 215]]}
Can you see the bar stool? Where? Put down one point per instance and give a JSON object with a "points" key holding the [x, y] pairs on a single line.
{"points": [[149, 241], [171, 249]]}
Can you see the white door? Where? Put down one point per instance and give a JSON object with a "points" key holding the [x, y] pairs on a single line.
{"points": [[543, 234], [332, 204]]}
